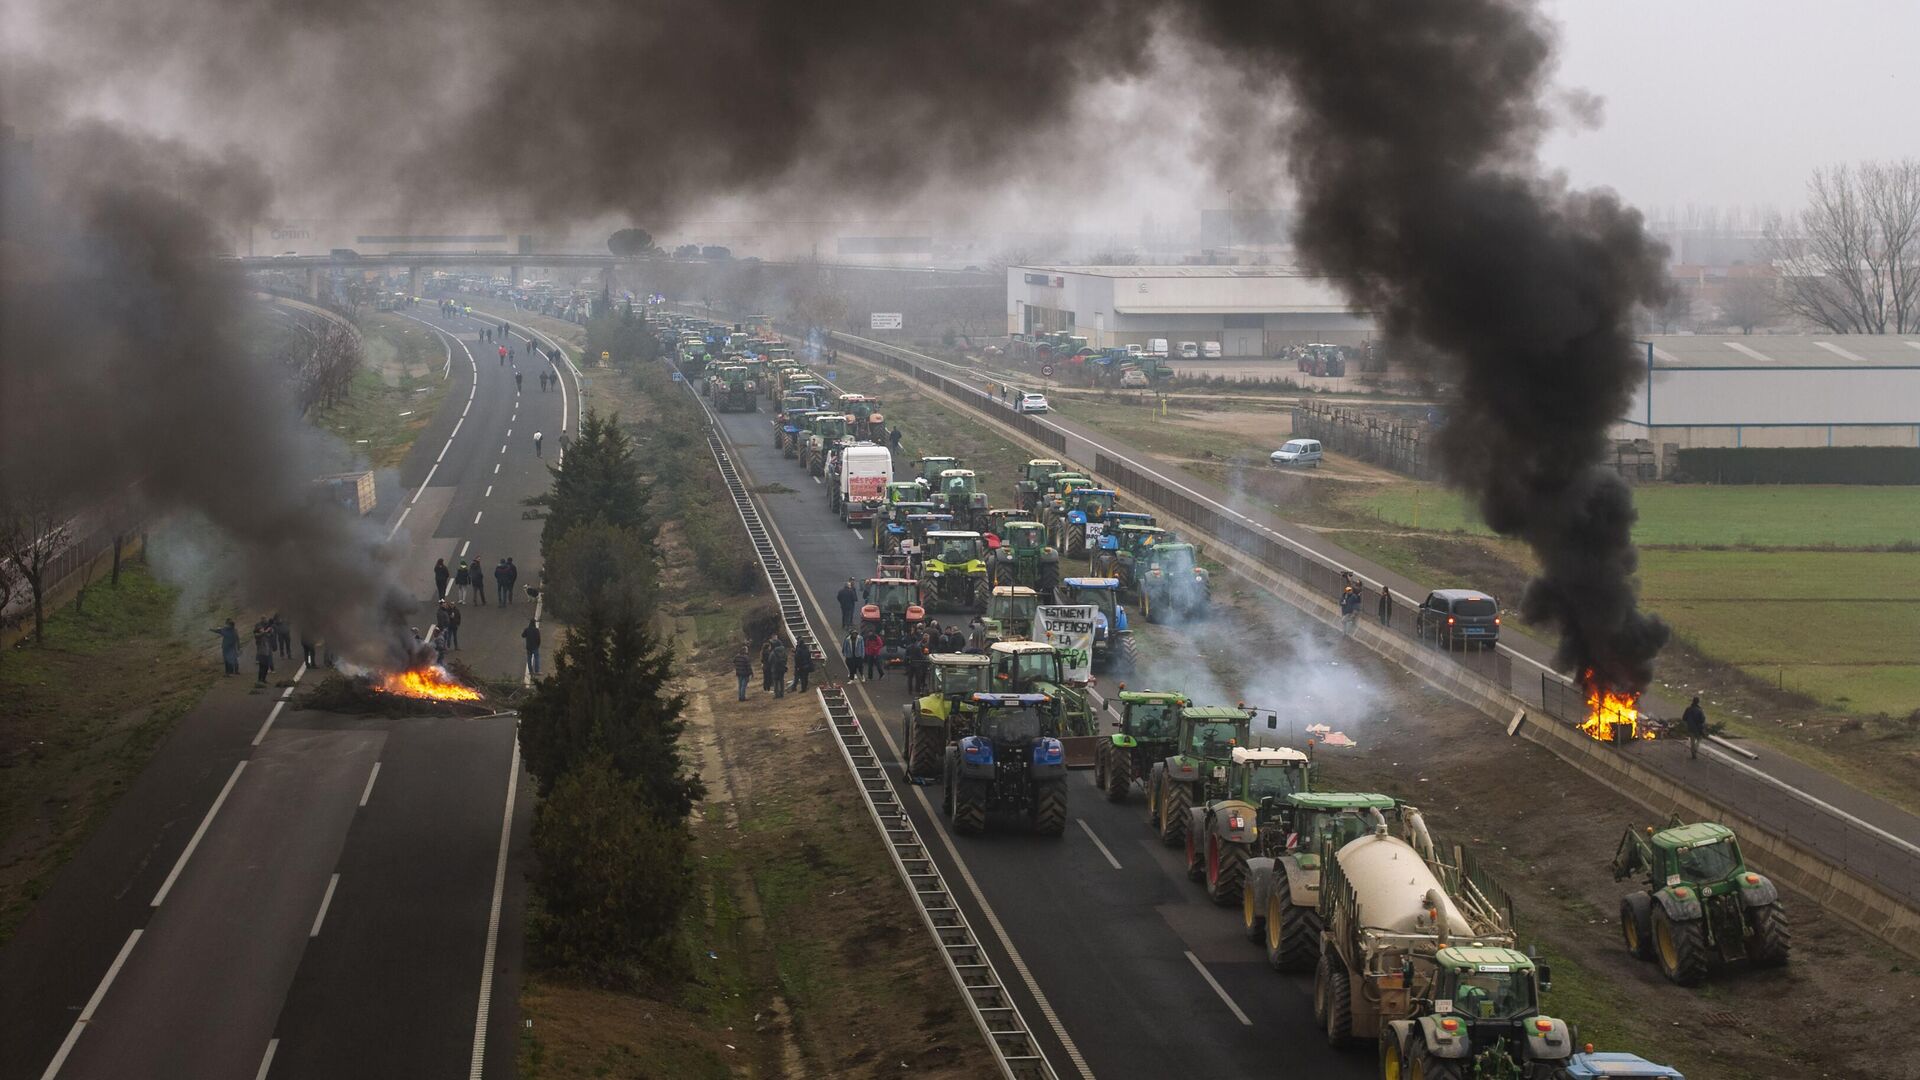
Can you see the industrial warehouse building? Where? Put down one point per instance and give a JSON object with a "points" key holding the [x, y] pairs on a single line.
{"points": [[1249, 310], [1777, 391]]}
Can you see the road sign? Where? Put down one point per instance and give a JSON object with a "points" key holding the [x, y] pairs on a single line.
{"points": [[832, 374], [1046, 371], [885, 320], [677, 377], [605, 356]]}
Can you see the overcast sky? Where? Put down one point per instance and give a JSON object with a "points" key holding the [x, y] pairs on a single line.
{"points": [[1733, 102]]}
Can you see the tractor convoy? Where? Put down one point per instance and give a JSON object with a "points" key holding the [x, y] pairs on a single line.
{"points": [[1411, 947]]}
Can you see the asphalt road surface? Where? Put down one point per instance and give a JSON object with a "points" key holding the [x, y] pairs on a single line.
{"points": [[289, 893], [1121, 963]]}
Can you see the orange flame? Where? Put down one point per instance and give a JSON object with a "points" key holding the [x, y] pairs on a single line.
{"points": [[1607, 709], [429, 682]]}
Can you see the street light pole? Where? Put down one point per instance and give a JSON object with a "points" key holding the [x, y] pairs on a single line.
{"points": [[1229, 223]]}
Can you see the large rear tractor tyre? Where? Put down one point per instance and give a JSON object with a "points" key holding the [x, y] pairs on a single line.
{"points": [[1253, 914], [1196, 862], [1293, 932], [1126, 654], [1050, 807], [1174, 802], [969, 807], [1147, 610], [1636, 927], [1428, 1067], [1680, 948], [1119, 775], [926, 746], [1226, 870], [1076, 541], [982, 591], [1772, 936]]}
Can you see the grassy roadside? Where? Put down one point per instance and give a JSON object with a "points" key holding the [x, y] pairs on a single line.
{"points": [[804, 957], [393, 396], [82, 716]]}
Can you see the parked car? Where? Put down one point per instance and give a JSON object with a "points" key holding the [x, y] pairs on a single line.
{"points": [[1210, 350], [1189, 350], [1031, 402], [1136, 350], [1134, 379], [1298, 452], [1458, 616]]}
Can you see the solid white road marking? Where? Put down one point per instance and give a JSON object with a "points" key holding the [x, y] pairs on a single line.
{"points": [[271, 717], [266, 1062], [181, 863], [397, 522], [1218, 989], [493, 922], [325, 902], [423, 484], [86, 1014], [367, 792], [1088, 829], [1662, 354], [1815, 800]]}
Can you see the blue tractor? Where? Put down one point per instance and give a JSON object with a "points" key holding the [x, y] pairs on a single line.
{"points": [[1011, 762], [1114, 649]]}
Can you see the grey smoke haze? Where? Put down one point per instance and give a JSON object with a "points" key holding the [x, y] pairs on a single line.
{"points": [[1409, 132]]}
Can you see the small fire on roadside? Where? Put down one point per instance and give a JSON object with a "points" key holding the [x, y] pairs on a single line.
{"points": [[1611, 716], [429, 682]]}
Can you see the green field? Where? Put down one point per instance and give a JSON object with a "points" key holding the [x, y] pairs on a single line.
{"points": [[394, 394], [1702, 514]]}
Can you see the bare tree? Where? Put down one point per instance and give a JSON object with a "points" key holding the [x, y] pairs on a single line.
{"points": [[1850, 262], [36, 525], [1677, 310], [1749, 302]]}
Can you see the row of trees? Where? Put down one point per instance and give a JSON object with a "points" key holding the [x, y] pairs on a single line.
{"points": [[600, 734], [1850, 262]]}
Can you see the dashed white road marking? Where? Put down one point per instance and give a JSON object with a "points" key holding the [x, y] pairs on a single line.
{"points": [[489, 493], [325, 902], [477, 1067], [476, 516], [367, 792], [266, 1062], [1088, 829], [1218, 989]]}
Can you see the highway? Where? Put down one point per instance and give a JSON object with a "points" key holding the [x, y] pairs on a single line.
{"points": [[290, 893], [1121, 967]]}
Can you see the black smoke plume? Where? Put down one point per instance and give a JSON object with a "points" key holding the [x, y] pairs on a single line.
{"points": [[1411, 143]]}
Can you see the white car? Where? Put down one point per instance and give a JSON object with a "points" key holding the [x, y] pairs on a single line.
{"points": [[1210, 350], [1031, 403], [1136, 350], [1298, 452], [1189, 350]]}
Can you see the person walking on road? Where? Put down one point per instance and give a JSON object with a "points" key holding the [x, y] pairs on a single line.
{"points": [[536, 445], [1386, 605], [479, 573], [876, 665], [441, 575], [802, 666], [282, 637], [516, 382], [854, 652], [779, 660], [500, 582], [1695, 718], [848, 601], [1349, 609], [513, 576], [229, 636], [309, 647], [453, 628], [461, 581], [503, 354], [742, 670], [262, 651], [531, 635]]}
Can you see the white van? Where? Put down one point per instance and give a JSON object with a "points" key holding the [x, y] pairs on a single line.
{"points": [[1189, 350], [1210, 350], [865, 471], [1157, 347], [1298, 452]]}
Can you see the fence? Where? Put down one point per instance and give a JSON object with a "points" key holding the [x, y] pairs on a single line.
{"points": [[1398, 445]]}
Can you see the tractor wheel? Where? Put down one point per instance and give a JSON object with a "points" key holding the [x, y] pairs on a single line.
{"points": [[1119, 775], [1153, 798], [1332, 1004], [1050, 807], [969, 807], [1174, 802], [1196, 866], [1252, 913], [1636, 930], [833, 501], [1146, 606], [1680, 947], [1049, 579], [924, 752], [1428, 1067], [1002, 574], [1076, 541], [1127, 656], [1772, 936], [1293, 932], [1393, 1064], [1100, 764], [1226, 870], [982, 591]]}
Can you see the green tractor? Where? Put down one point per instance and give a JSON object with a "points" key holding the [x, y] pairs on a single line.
{"points": [[1224, 834], [958, 492], [1035, 667], [894, 524], [826, 434], [1024, 557], [1031, 481], [733, 389], [1010, 760], [1114, 648], [1076, 517], [1121, 550], [945, 713], [1196, 771], [926, 473], [1175, 587], [1478, 1017], [1010, 613], [1699, 903], [953, 566], [1145, 736], [1280, 902]]}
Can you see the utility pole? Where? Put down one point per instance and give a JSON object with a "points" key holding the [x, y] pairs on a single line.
{"points": [[1229, 223]]}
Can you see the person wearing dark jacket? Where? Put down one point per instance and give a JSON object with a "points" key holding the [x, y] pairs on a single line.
{"points": [[501, 582], [1349, 608], [802, 667], [766, 665], [513, 576], [229, 637], [1386, 604], [742, 670], [282, 637], [1695, 718], [461, 582], [779, 659], [531, 635], [440, 577], [849, 601], [480, 580]]}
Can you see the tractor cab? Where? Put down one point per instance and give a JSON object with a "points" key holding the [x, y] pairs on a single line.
{"points": [[952, 547], [1010, 613], [1031, 480], [1265, 777], [1116, 518], [1149, 716], [1698, 902], [1174, 585], [863, 415], [1113, 645], [927, 470], [891, 607], [959, 491], [1322, 821], [1121, 547], [945, 712], [1023, 556], [1204, 745], [952, 564], [1020, 666]]}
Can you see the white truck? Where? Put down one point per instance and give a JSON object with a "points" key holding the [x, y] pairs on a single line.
{"points": [[865, 470]]}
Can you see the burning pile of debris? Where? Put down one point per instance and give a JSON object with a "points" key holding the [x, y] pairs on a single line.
{"points": [[1612, 716], [431, 689]]}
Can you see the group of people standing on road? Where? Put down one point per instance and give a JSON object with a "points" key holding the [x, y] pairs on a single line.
{"points": [[1353, 594], [271, 639], [469, 582]]}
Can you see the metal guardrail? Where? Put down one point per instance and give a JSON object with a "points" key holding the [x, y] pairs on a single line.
{"points": [[1014, 1049]]}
